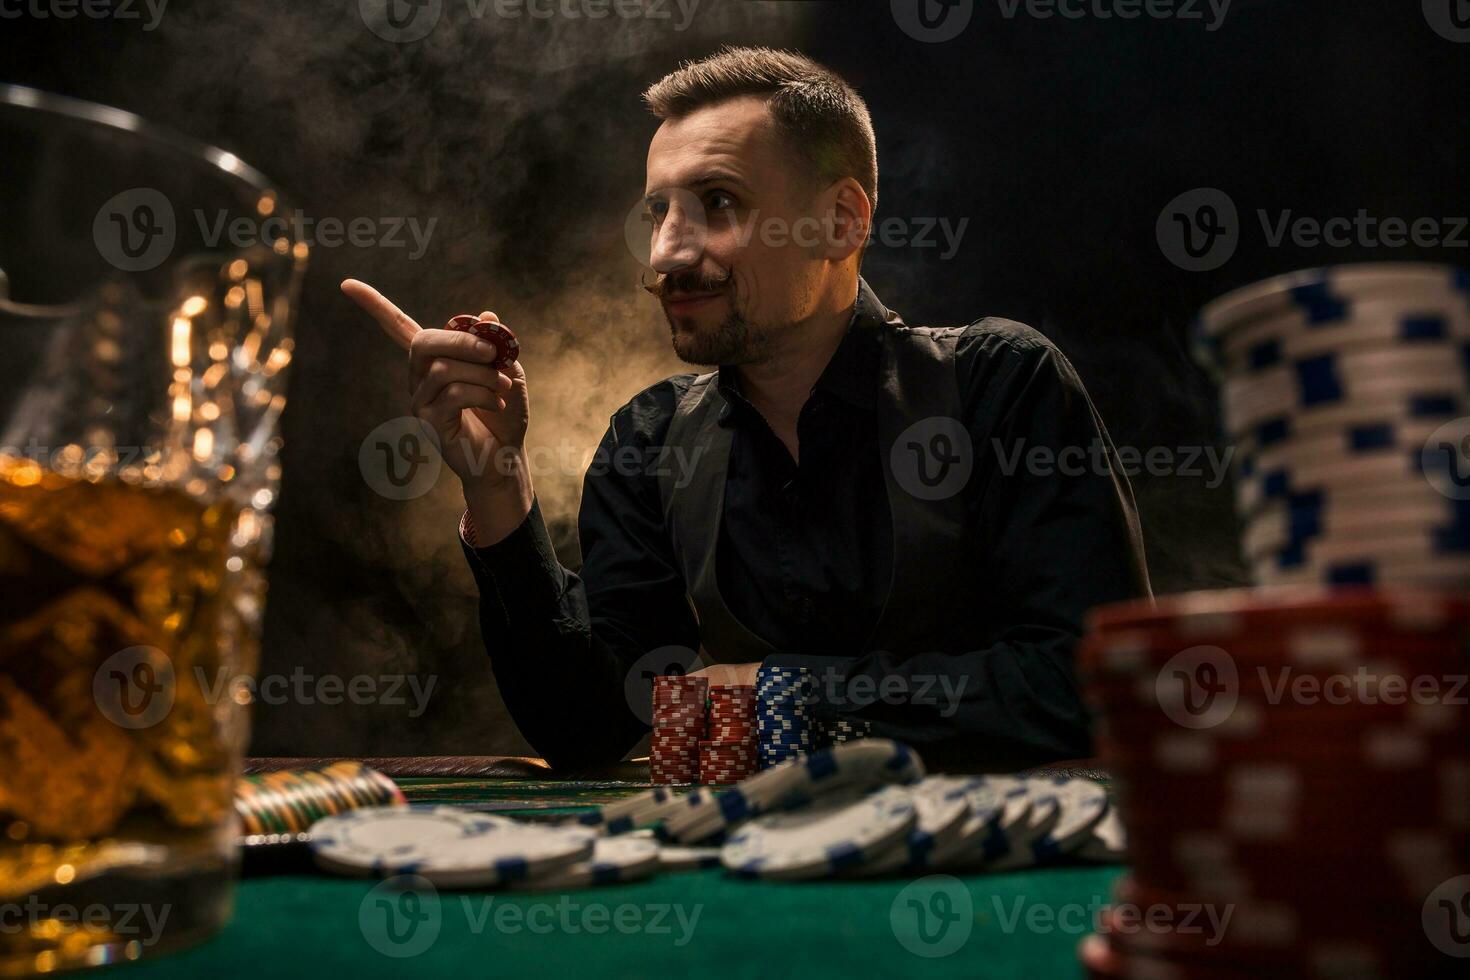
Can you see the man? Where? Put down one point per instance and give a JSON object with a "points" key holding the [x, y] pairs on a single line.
{"points": [[854, 497]]}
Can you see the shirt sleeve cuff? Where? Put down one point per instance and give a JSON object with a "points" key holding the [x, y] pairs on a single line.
{"points": [[524, 565]]}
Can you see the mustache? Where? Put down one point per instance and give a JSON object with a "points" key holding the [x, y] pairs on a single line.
{"points": [[685, 282]]}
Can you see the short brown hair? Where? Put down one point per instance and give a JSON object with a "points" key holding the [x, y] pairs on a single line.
{"points": [[816, 112]]}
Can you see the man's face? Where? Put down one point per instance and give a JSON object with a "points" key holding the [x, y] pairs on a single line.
{"points": [[737, 264]]}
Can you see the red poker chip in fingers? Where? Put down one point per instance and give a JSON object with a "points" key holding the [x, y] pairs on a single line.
{"points": [[506, 345]]}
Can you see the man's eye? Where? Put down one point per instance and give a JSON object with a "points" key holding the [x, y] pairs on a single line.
{"points": [[656, 211], [719, 201]]}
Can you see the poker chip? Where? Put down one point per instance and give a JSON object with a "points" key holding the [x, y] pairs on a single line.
{"points": [[705, 813], [1024, 834], [507, 347], [784, 726], [1106, 842], [829, 836], [1335, 383], [1083, 804], [382, 839], [1322, 822], [942, 806], [673, 858], [982, 836], [679, 725], [613, 860]]}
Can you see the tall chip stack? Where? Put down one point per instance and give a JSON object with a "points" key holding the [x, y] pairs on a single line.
{"points": [[1292, 761], [1344, 392], [678, 728], [728, 755], [784, 724]]}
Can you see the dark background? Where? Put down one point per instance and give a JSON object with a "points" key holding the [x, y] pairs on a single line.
{"points": [[1060, 141]]}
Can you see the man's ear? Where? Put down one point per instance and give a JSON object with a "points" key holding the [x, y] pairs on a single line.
{"points": [[848, 216]]}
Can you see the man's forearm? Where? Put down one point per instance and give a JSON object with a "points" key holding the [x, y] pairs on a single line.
{"points": [[499, 502]]}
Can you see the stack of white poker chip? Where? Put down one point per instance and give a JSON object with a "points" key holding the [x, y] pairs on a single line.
{"points": [[1346, 395]]}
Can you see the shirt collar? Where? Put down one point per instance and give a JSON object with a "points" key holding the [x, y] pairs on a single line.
{"points": [[852, 373]]}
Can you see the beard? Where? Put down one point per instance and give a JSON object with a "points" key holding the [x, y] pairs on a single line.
{"points": [[734, 340]]}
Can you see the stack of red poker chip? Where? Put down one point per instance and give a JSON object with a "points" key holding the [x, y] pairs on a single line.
{"points": [[1293, 766], [729, 754], [678, 728]]}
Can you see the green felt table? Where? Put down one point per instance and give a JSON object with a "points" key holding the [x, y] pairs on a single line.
{"points": [[1018, 925]]}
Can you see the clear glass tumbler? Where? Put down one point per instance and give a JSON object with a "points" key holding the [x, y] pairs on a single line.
{"points": [[145, 305]]}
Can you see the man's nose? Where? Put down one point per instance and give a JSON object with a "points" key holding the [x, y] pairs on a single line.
{"points": [[679, 240]]}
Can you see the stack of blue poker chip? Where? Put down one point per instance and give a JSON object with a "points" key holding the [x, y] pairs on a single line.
{"points": [[1346, 396], [784, 727]]}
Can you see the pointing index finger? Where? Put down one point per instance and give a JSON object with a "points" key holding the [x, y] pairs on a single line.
{"points": [[398, 325]]}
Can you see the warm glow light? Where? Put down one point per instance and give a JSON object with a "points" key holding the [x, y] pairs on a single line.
{"points": [[181, 408], [203, 444], [194, 305], [181, 341]]}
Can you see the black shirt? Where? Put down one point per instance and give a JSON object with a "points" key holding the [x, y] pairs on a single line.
{"points": [[804, 558]]}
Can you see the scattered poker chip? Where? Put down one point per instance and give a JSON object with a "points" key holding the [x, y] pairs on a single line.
{"points": [[1083, 805], [382, 840], [507, 347], [1106, 842], [1043, 812], [831, 835], [983, 835], [942, 806], [509, 853], [613, 860], [868, 763], [673, 858]]}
